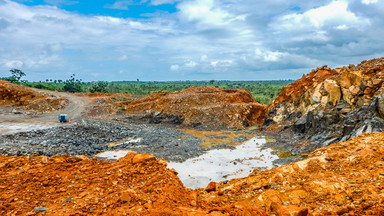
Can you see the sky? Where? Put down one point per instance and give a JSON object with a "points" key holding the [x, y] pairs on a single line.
{"points": [[166, 40]]}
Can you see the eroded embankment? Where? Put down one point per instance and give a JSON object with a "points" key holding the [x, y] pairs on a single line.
{"points": [[26, 98], [343, 178]]}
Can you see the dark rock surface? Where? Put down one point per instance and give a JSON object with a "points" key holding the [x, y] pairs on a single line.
{"points": [[91, 138]]}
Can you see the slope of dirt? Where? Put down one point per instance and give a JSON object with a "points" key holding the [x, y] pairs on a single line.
{"points": [[28, 99], [103, 104], [134, 185], [345, 178], [330, 105], [209, 106]]}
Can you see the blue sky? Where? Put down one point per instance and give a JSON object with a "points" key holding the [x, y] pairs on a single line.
{"points": [[186, 39]]}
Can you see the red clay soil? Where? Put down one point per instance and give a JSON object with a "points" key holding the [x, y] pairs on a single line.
{"points": [[204, 105], [343, 178], [136, 184], [28, 99], [102, 104]]}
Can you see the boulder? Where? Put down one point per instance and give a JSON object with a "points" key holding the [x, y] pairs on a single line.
{"points": [[292, 210], [334, 91], [140, 158]]}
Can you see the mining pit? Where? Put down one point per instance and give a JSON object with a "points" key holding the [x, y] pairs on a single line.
{"points": [[317, 149]]}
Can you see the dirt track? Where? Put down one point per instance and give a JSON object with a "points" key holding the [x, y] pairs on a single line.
{"points": [[74, 108]]}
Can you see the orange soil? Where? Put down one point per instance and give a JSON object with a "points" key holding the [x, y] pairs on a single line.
{"points": [[102, 104], [135, 184], [345, 177], [26, 98]]}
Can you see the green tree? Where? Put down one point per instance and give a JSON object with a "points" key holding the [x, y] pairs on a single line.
{"points": [[99, 87], [72, 85], [17, 74]]}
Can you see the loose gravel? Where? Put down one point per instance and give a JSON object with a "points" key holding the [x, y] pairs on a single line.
{"points": [[92, 137]]}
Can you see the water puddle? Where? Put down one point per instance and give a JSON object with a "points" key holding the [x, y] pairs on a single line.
{"points": [[112, 155], [224, 164], [11, 127]]}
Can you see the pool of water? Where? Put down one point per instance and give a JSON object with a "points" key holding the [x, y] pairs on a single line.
{"points": [[11, 127], [112, 155], [224, 164]]}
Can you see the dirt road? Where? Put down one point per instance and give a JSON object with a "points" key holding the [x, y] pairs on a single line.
{"points": [[14, 120]]}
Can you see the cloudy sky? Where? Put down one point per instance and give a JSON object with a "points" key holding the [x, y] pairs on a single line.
{"points": [[186, 39]]}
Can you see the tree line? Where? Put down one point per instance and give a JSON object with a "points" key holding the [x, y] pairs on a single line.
{"points": [[263, 91]]}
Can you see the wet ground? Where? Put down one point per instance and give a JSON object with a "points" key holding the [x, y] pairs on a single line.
{"points": [[15, 127], [216, 164], [225, 164]]}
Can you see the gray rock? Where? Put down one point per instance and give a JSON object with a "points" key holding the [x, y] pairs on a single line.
{"points": [[41, 209], [16, 112], [380, 105], [330, 141]]}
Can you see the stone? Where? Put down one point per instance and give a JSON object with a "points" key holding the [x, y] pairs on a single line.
{"points": [[81, 157], [292, 210], [139, 158], [354, 89], [162, 161], [334, 91], [273, 203], [128, 195], [41, 209], [380, 105], [211, 187], [16, 112]]}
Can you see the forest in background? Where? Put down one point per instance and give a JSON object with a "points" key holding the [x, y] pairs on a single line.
{"points": [[263, 91]]}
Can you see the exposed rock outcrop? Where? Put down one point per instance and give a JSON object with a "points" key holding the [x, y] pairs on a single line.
{"points": [[208, 106], [330, 105]]}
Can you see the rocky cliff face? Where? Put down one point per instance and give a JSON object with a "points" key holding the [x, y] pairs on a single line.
{"points": [[331, 105], [208, 106]]}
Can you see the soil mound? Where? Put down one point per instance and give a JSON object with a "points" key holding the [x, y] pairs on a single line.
{"points": [[135, 185], [209, 106], [331, 105], [102, 104], [28, 99]]}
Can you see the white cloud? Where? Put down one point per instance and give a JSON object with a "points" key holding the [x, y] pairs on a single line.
{"points": [[335, 13], [174, 67], [190, 64], [367, 2], [268, 56], [13, 64], [204, 39], [203, 11]]}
